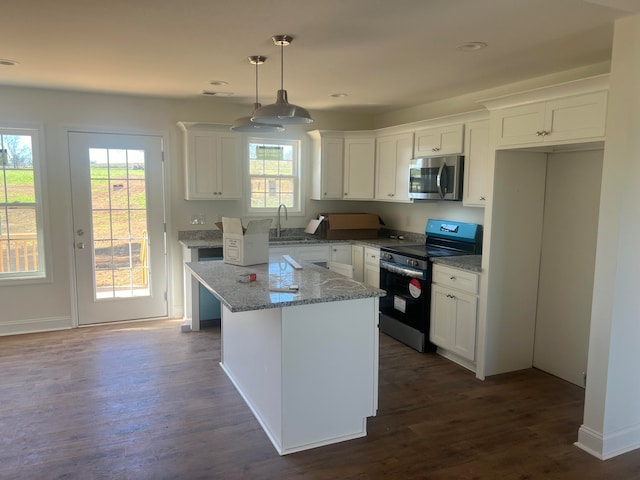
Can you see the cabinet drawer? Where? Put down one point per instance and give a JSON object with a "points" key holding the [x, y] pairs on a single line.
{"points": [[455, 278], [372, 256]]}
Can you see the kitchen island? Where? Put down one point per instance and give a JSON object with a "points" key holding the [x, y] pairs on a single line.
{"points": [[305, 361]]}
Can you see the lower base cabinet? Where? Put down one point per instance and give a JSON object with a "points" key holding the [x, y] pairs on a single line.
{"points": [[454, 309]]}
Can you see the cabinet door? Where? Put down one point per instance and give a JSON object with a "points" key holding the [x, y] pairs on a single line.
{"points": [[332, 167], [359, 168], [201, 165], [328, 165], [393, 155], [464, 327], [212, 165], [476, 156], [371, 275], [341, 253], [575, 118], [442, 317], [520, 125], [313, 253], [357, 259], [438, 141], [386, 168], [229, 171]]}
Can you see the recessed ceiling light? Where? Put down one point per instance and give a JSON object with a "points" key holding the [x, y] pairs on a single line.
{"points": [[471, 46], [338, 95], [218, 83], [211, 93], [5, 62]]}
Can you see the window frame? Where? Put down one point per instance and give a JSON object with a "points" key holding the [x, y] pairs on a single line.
{"points": [[42, 274], [298, 175]]}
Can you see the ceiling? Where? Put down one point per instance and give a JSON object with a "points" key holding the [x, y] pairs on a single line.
{"points": [[383, 54]]}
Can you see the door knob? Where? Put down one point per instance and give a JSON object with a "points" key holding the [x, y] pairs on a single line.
{"points": [[80, 245]]}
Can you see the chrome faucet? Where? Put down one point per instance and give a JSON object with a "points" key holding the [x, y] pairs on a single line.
{"points": [[286, 217]]}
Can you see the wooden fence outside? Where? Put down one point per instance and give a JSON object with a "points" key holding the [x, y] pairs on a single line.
{"points": [[19, 253]]}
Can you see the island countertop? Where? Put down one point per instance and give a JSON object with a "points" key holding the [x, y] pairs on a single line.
{"points": [[315, 284]]}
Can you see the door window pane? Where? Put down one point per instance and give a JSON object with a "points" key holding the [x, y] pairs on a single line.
{"points": [[118, 202]]}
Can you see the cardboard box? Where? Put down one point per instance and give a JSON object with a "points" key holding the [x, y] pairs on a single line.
{"points": [[245, 246], [347, 226]]}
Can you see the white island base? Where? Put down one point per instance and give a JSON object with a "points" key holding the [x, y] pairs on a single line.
{"points": [[309, 373]]}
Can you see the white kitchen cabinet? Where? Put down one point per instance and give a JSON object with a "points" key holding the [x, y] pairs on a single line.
{"points": [[393, 154], [304, 253], [340, 252], [212, 160], [328, 165], [357, 260], [454, 309], [313, 253], [434, 141], [359, 166], [570, 119], [372, 267], [476, 156]]}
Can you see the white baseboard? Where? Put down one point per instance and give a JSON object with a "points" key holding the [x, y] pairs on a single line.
{"points": [[610, 445], [34, 325]]}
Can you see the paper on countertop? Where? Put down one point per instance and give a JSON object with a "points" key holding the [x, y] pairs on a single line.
{"points": [[313, 225]]}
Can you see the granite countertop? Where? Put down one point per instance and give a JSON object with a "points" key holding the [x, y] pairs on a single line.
{"points": [[373, 242], [472, 263], [316, 284]]}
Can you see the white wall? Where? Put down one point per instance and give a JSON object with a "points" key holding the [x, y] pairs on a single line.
{"points": [[611, 422], [47, 306], [567, 262]]}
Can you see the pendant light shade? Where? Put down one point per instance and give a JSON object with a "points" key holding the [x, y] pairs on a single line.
{"points": [[244, 124], [282, 112]]}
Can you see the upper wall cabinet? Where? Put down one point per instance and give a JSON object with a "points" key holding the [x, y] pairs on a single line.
{"points": [[573, 112], [476, 157], [393, 154], [213, 162], [328, 165], [359, 165], [556, 121], [445, 140]]}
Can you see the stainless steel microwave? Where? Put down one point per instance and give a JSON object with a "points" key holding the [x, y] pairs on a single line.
{"points": [[436, 178]]}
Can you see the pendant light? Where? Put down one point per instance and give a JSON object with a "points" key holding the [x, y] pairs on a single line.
{"points": [[282, 112], [244, 124]]}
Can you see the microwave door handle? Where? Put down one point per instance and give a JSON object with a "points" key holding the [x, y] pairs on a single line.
{"points": [[439, 178]]}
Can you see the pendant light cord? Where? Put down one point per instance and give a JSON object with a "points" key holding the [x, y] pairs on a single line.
{"points": [[256, 82], [282, 66]]}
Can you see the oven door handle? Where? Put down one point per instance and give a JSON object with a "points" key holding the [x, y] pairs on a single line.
{"points": [[404, 271]]}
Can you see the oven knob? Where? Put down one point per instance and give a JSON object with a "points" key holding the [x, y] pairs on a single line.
{"points": [[412, 263], [387, 256]]}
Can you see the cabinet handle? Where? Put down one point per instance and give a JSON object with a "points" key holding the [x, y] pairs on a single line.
{"points": [[435, 149], [538, 133], [542, 133], [483, 198], [325, 194], [450, 296], [345, 194], [452, 278]]}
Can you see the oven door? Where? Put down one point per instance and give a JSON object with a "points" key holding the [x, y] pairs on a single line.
{"points": [[408, 293]]}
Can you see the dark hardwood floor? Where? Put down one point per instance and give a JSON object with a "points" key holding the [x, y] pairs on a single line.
{"points": [[144, 401]]}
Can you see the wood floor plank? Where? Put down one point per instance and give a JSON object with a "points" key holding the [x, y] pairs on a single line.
{"points": [[145, 401]]}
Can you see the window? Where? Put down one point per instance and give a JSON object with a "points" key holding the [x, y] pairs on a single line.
{"points": [[21, 237], [274, 175]]}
